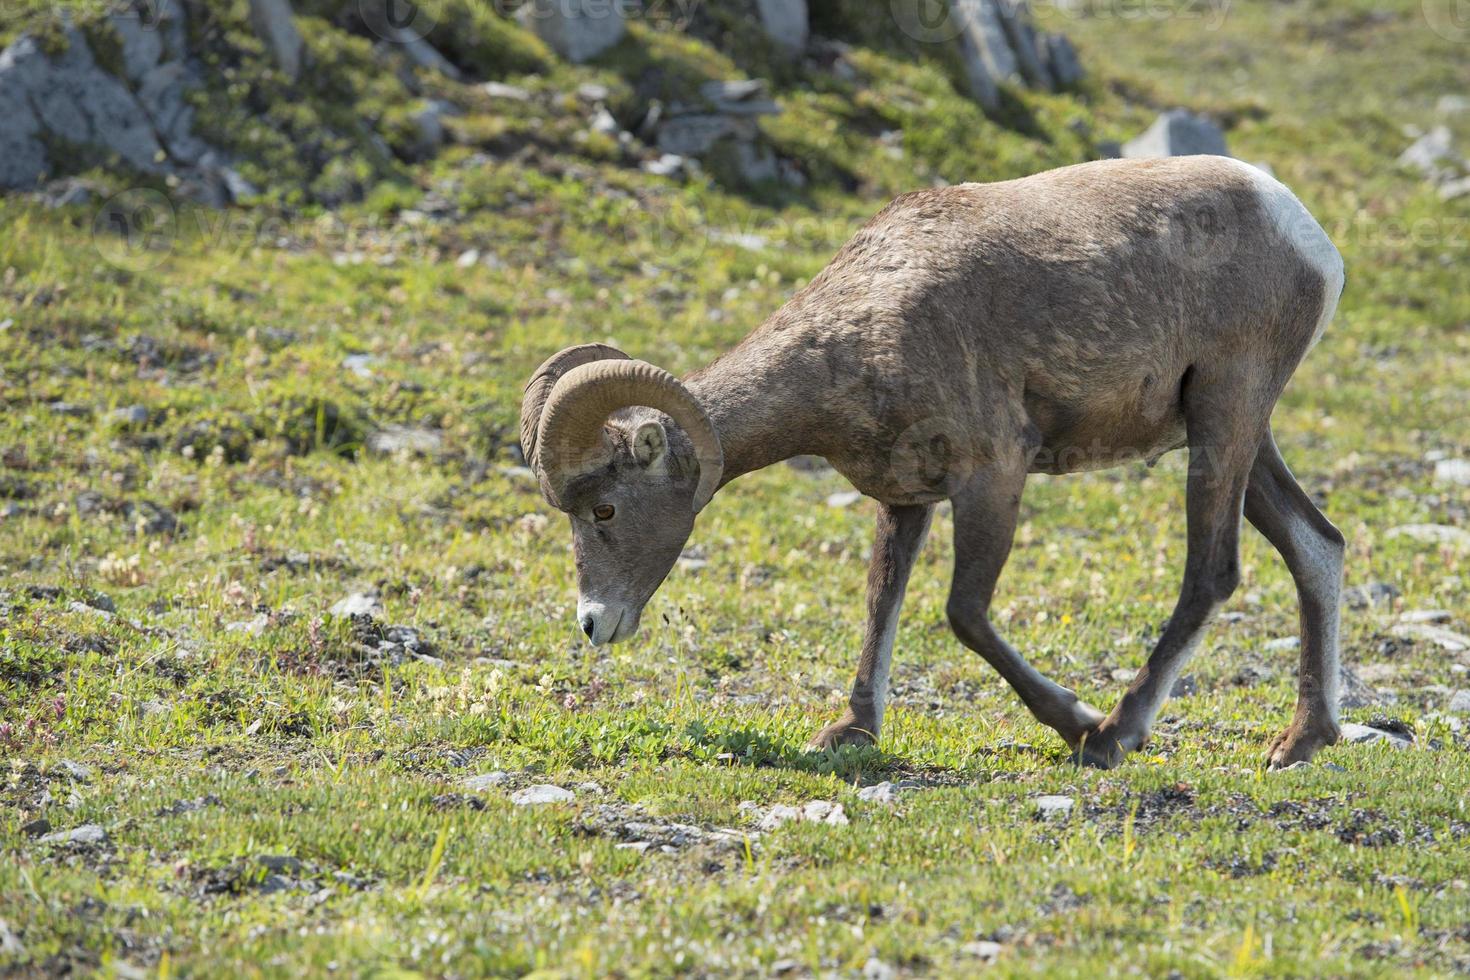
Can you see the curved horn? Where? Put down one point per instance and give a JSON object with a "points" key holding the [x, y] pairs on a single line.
{"points": [[538, 389], [570, 441]]}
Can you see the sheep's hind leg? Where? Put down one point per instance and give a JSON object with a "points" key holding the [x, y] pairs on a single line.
{"points": [[984, 526], [1313, 551], [1225, 412], [900, 535]]}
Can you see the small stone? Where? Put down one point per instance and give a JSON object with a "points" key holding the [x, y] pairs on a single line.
{"points": [[1282, 643], [482, 781], [280, 863], [879, 793], [777, 815], [359, 604], [1370, 594], [82, 607], [844, 498], [876, 969], [250, 627], [667, 165], [87, 833], [394, 440], [1356, 734], [824, 811], [639, 845], [1184, 687], [468, 259], [1454, 471], [10, 944], [1299, 764], [500, 90], [36, 827], [132, 415], [1445, 639], [603, 122], [1053, 806], [542, 794], [1175, 133], [1460, 702], [77, 771], [983, 949], [1425, 616], [1433, 534]]}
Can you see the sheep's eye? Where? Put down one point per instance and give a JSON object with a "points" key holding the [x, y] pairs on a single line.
{"points": [[603, 512]]}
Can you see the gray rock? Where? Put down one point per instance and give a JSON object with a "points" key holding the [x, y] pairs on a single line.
{"points": [[604, 122], [1453, 471], [359, 604], [984, 50], [667, 165], [1433, 534], [500, 90], [542, 794], [741, 97], [1446, 639], [1177, 133], [1283, 643], [280, 863], [694, 134], [1452, 189], [87, 833], [785, 22], [395, 439], [1459, 702], [1370, 594], [142, 45], [10, 944], [1434, 156], [575, 29], [480, 782], [1053, 806], [883, 792], [876, 969], [1425, 616], [273, 23], [133, 415], [1355, 734], [82, 607], [250, 627], [1015, 17], [844, 498], [77, 771], [1062, 61], [982, 949], [1354, 692]]}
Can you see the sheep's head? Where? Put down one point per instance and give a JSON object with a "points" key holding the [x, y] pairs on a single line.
{"points": [[629, 455]]}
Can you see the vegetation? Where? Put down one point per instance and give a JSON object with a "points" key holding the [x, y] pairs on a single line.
{"points": [[187, 437]]}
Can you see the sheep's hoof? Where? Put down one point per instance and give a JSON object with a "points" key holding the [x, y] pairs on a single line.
{"points": [[1105, 747], [1298, 744], [845, 731]]}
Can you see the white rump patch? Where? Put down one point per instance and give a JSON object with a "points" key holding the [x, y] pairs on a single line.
{"points": [[1296, 224]]}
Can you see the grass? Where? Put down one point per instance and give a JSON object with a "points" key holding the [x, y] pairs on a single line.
{"points": [[266, 344]]}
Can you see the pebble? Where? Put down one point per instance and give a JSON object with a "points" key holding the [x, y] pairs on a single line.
{"points": [[1283, 643], [883, 792], [1357, 734], [1054, 806], [983, 949], [10, 944], [1433, 534], [359, 604], [876, 969], [77, 771], [1425, 616], [87, 833], [1460, 702], [250, 627], [483, 781], [540, 794], [1443, 638], [844, 498], [1371, 594], [1456, 471], [817, 811]]}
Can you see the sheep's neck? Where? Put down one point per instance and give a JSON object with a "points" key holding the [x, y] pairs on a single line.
{"points": [[762, 408]]}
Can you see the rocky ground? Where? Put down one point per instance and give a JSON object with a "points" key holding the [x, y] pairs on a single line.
{"points": [[288, 677]]}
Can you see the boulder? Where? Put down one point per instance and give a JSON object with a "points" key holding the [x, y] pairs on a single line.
{"points": [[1015, 19], [273, 23], [1177, 133], [1061, 60], [985, 50], [578, 30], [785, 23]]}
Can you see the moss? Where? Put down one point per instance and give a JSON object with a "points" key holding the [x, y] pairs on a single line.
{"points": [[106, 46]]}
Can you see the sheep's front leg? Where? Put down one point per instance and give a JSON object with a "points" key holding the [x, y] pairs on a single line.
{"points": [[900, 535]]}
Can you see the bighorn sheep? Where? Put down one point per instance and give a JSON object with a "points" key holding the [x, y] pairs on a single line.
{"points": [[965, 337]]}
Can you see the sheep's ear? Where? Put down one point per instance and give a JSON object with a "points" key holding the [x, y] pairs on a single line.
{"points": [[650, 445]]}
